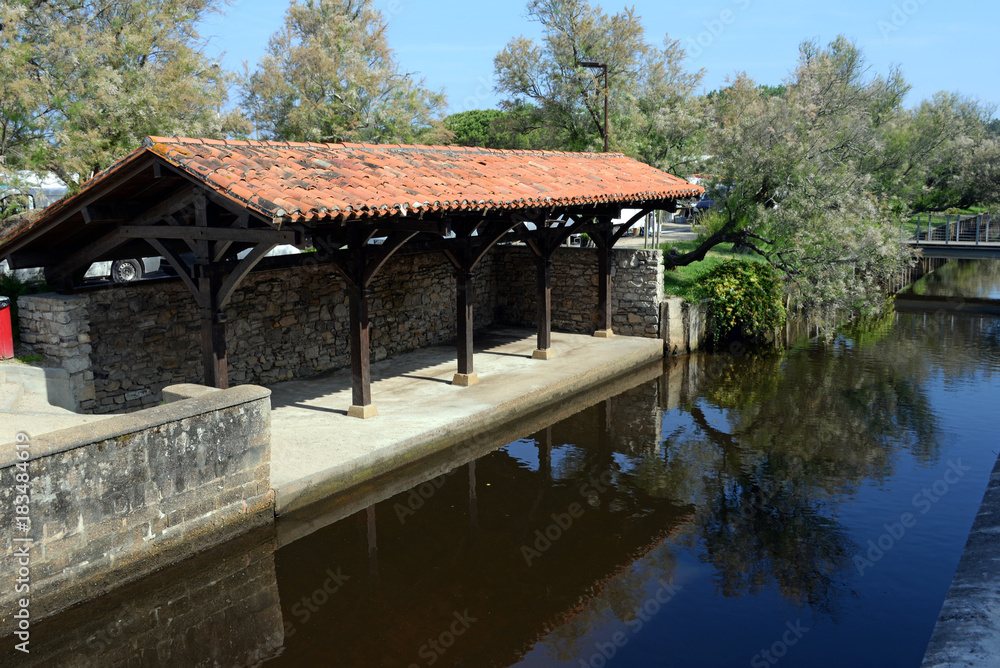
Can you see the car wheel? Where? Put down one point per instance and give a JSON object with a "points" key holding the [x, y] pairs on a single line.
{"points": [[126, 271]]}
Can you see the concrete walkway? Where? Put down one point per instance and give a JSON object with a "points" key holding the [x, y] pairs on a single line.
{"points": [[317, 451], [22, 410]]}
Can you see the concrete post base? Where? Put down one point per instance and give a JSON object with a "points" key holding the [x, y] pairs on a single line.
{"points": [[363, 412], [546, 354], [465, 379], [604, 333]]}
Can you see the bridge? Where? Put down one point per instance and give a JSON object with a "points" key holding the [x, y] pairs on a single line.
{"points": [[972, 237]]}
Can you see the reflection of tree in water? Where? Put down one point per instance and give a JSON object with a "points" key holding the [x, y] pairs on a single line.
{"points": [[762, 451], [618, 599], [968, 278], [801, 431]]}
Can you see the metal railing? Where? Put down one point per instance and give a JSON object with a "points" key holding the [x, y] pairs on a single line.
{"points": [[954, 229]]}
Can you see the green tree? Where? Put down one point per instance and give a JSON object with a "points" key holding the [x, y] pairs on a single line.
{"points": [[511, 128], [82, 82], [796, 176], [330, 76], [653, 113], [473, 128], [942, 150]]}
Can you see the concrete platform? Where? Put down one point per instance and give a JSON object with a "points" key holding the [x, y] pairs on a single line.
{"points": [[967, 632], [318, 451]]}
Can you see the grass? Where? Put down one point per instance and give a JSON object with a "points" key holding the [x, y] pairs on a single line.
{"points": [[683, 281]]}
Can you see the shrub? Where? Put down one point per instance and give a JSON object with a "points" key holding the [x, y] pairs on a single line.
{"points": [[745, 300]]}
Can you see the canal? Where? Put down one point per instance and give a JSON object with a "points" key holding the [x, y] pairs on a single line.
{"points": [[806, 507]]}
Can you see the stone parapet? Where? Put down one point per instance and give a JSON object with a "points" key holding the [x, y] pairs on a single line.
{"points": [[111, 501]]}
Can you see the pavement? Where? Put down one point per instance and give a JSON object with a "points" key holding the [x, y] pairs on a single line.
{"points": [[31, 413], [318, 451]]}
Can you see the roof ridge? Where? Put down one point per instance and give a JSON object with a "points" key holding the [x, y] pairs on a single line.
{"points": [[151, 140]]}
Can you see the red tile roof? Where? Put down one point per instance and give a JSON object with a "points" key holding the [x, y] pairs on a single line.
{"points": [[304, 182], [309, 182]]}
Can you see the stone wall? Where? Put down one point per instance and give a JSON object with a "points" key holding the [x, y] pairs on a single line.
{"points": [[58, 327], [220, 608], [125, 343], [283, 324], [113, 500], [636, 289]]}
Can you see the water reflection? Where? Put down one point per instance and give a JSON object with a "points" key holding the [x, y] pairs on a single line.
{"points": [[220, 608], [565, 537], [685, 518], [977, 279]]}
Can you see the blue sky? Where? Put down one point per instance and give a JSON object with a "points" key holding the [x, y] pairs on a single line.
{"points": [[451, 43]]}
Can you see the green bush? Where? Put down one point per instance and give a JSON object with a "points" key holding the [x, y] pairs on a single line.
{"points": [[745, 299]]}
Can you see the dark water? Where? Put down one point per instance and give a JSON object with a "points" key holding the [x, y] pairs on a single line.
{"points": [[697, 520], [805, 507]]}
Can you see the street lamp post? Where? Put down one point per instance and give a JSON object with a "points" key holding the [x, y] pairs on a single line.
{"points": [[603, 67]]}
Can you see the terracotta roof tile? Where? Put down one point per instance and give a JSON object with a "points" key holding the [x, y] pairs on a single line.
{"points": [[305, 181]]}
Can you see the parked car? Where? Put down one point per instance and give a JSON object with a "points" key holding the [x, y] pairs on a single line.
{"points": [[125, 271]]}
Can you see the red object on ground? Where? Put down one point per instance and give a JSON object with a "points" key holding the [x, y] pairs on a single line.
{"points": [[6, 335]]}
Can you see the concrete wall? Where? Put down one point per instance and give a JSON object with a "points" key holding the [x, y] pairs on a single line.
{"points": [[123, 344], [116, 499], [967, 632]]}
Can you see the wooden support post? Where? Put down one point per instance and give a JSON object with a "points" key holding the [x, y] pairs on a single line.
{"points": [[213, 328], [465, 296], [605, 251], [361, 374], [544, 314]]}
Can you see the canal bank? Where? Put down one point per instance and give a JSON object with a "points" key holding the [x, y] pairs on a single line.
{"points": [[317, 450], [967, 632]]}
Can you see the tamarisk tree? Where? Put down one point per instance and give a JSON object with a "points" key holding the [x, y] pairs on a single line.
{"points": [[653, 116], [82, 82], [794, 176], [330, 76]]}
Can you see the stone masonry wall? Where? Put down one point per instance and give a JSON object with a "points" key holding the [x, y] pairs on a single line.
{"points": [[58, 327], [125, 343], [117, 499], [636, 289], [220, 608], [282, 325]]}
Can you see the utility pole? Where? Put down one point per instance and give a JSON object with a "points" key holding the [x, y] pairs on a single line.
{"points": [[604, 68]]}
